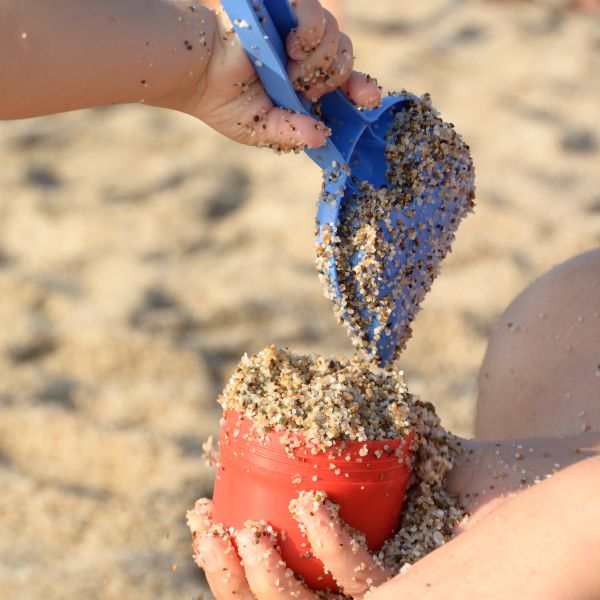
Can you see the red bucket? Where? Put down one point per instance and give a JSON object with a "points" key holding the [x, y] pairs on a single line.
{"points": [[257, 478]]}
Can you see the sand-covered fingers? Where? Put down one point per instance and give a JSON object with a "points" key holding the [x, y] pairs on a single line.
{"points": [[322, 58], [266, 572], [214, 552], [308, 33], [199, 518], [363, 90], [359, 88], [337, 74], [283, 130], [342, 552], [304, 74]]}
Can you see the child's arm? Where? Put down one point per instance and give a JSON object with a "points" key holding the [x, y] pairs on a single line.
{"points": [[491, 472], [60, 55], [542, 545]]}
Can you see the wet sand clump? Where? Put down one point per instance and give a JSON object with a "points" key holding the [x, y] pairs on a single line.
{"points": [[324, 399]]}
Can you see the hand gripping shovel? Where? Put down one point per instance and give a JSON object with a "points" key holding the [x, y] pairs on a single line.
{"points": [[417, 232]]}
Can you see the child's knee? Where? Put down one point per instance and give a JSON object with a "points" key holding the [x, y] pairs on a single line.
{"points": [[541, 373]]}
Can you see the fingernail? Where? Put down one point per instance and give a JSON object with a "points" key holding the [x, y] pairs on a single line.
{"points": [[208, 559]]}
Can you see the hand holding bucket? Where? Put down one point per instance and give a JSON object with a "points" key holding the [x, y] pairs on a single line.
{"points": [[257, 479]]}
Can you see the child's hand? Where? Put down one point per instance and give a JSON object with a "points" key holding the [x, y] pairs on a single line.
{"points": [[264, 575], [487, 476], [230, 98]]}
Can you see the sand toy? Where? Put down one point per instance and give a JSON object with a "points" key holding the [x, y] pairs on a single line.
{"points": [[390, 201]]}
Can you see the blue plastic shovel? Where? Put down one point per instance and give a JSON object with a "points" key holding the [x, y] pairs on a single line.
{"points": [[354, 153]]}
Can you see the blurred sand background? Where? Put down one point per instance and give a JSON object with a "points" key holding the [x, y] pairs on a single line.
{"points": [[141, 254]]}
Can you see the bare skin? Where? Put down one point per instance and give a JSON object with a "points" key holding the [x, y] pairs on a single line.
{"points": [[61, 55], [543, 359], [523, 486]]}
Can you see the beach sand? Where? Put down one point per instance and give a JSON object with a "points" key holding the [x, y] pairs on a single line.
{"points": [[141, 255]]}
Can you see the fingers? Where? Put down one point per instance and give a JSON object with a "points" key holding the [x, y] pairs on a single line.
{"points": [[199, 519], [338, 72], [264, 575], [284, 130], [341, 551], [266, 572], [225, 575], [214, 552], [306, 73], [322, 58], [363, 90], [307, 35]]}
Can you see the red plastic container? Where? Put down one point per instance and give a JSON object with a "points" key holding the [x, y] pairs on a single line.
{"points": [[256, 479]]}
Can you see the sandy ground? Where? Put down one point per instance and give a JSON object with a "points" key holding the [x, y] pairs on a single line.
{"points": [[141, 255]]}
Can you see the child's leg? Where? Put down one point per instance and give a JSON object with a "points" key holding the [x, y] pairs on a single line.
{"points": [[541, 373]]}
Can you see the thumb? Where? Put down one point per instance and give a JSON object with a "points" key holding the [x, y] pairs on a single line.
{"points": [[283, 130]]}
